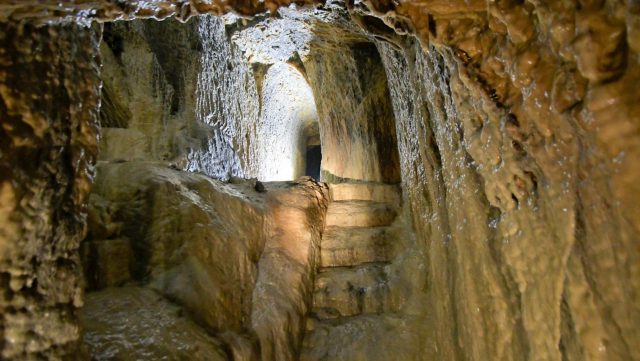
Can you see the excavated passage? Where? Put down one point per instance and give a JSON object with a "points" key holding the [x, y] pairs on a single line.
{"points": [[480, 157]]}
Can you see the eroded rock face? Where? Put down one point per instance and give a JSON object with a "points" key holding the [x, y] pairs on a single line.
{"points": [[511, 241], [49, 96], [190, 100], [85, 11], [357, 132], [175, 231], [516, 125], [239, 262]]}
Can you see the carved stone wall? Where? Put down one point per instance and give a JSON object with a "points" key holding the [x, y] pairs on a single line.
{"points": [[518, 143]]}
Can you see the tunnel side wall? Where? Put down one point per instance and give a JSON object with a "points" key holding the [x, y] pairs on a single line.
{"points": [[530, 237], [357, 126], [50, 91]]}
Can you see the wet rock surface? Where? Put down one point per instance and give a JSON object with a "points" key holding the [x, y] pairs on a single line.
{"points": [[504, 109], [136, 323], [510, 125], [49, 96], [237, 262]]}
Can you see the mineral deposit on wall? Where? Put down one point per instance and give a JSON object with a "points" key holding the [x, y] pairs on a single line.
{"points": [[481, 155]]}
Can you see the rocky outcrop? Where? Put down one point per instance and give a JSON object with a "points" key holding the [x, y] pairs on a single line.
{"points": [[217, 250]]}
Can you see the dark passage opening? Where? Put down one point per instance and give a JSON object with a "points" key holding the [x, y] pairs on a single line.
{"points": [[313, 159]]}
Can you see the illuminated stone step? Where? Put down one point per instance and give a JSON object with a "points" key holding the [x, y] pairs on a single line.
{"points": [[350, 291], [377, 192], [354, 245], [359, 214]]}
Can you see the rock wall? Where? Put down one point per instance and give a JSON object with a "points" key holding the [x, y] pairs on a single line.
{"points": [[357, 124], [516, 196], [518, 143], [49, 91], [194, 100], [237, 263], [189, 100], [148, 94], [173, 229], [228, 100]]}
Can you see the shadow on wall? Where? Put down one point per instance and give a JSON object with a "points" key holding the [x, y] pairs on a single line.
{"points": [[288, 128], [313, 159]]}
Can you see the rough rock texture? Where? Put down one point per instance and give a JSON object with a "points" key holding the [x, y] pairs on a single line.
{"points": [[194, 100], [228, 101], [49, 95], [283, 294], [189, 100], [518, 144], [239, 262], [242, 111], [85, 11], [136, 323], [288, 123], [524, 209], [359, 122], [357, 131], [175, 230]]}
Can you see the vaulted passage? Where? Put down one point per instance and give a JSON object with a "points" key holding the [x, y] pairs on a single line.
{"points": [[348, 181], [287, 126]]}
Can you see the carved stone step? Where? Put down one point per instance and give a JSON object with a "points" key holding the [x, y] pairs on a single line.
{"points": [[344, 291], [350, 246], [359, 214], [377, 192]]}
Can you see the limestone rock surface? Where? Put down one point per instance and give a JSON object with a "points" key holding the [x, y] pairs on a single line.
{"points": [[239, 262], [136, 323], [510, 126], [366, 287], [49, 96]]}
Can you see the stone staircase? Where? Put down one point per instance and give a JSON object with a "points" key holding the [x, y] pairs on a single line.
{"points": [[356, 247]]}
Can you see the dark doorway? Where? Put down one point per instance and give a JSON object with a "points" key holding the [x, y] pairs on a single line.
{"points": [[313, 159]]}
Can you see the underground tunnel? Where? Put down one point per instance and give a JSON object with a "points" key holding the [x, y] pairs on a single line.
{"points": [[427, 180]]}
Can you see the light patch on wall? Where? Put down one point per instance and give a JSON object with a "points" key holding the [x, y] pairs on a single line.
{"points": [[288, 113]]}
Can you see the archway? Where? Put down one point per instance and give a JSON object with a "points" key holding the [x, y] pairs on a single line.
{"points": [[288, 131]]}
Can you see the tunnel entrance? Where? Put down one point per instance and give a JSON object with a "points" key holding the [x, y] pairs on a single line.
{"points": [[288, 130], [313, 159]]}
